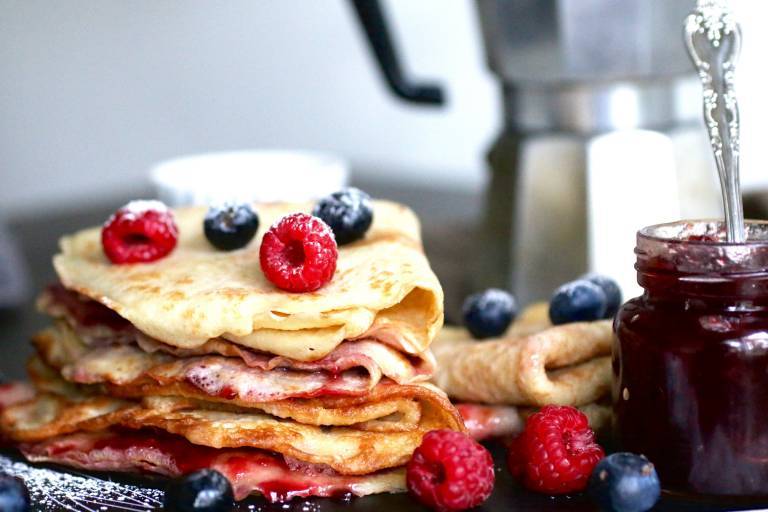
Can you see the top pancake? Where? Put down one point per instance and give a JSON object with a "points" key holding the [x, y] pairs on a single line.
{"points": [[383, 287]]}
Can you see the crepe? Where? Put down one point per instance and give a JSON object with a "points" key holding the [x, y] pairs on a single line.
{"points": [[225, 370], [277, 477], [348, 451], [563, 365], [198, 293], [249, 471]]}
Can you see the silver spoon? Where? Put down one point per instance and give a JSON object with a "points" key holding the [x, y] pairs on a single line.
{"points": [[713, 39]]}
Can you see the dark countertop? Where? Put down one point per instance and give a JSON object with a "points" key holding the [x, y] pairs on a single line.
{"points": [[449, 220]]}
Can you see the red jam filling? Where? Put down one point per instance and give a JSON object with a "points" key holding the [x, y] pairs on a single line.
{"points": [[186, 457], [487, 421], [85, 311], [478, 419], [248, 469]]}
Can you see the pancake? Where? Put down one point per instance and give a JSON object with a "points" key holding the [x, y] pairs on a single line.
{"points": [[383, 289], [308, 397], [250, 471], [348, 451], [311, 396], [61, 347], [562, 365]]}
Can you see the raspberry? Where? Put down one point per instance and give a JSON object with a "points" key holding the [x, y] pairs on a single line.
{"points": [[556, 452], [450, 471], [298, 253], [139, 232]]}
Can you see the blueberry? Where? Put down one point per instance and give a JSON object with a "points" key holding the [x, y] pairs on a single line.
{"points": [[206, 490], [612, 292], [624, 482], [230, 226], [577, 301], [348, 212], [488, 314], [14, 496]]}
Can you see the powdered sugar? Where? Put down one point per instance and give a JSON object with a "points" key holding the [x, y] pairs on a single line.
{"points": [[52, 490], [492, 297], [140, 206], [137, 207], [66, 490]]}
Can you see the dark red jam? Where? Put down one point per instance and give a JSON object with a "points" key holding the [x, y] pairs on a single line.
{"points": [[85, 311], [186, 456], [691, 359]]}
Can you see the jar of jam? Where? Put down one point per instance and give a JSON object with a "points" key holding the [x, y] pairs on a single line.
{"points": [[690, 359]]}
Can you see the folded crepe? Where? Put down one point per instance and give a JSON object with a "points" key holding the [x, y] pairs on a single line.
{"points": [[383, 288], [501, 381], [197, 356]]}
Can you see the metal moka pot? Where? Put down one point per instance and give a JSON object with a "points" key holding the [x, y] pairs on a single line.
{"points": [[573, 72]]}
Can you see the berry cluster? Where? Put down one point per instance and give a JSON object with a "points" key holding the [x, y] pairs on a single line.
{"points": [[488, 314], [297, 254]]}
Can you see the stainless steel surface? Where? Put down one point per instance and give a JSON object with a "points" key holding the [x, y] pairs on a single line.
{"points": [[547, 41], [713, 39], [536, 222], [595, 107], [589, 66]]}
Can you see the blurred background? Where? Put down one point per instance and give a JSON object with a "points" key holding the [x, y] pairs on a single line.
{"points": [[564, 126]]}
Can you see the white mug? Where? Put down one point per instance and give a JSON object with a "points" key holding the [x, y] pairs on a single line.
{"points": [[248, 176]]}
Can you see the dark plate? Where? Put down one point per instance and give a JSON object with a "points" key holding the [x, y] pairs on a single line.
{"points": [[56, 489]]}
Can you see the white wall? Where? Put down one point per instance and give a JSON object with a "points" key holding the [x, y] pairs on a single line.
{"points": [[94, 91]]}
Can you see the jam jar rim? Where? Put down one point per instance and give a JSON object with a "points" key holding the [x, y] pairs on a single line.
{"points": [[647, 233], [666, 248]]}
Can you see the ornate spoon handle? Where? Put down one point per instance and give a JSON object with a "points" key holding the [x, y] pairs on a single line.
{"points": [[713, 39]]}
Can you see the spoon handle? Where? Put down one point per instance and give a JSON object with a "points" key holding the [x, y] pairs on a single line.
{"points": [[713, 39]]}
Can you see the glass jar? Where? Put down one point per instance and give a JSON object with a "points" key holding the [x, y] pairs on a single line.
{"points": [[690, 359]]}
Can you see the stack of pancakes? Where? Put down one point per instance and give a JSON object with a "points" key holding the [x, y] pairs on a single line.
{"points": [[197, 361]]}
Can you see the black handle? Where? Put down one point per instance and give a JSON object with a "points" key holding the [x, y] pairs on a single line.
{"points": [[372, 19]]}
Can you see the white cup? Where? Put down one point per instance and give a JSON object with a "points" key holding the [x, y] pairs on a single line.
{"points": [[248, 176]]}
